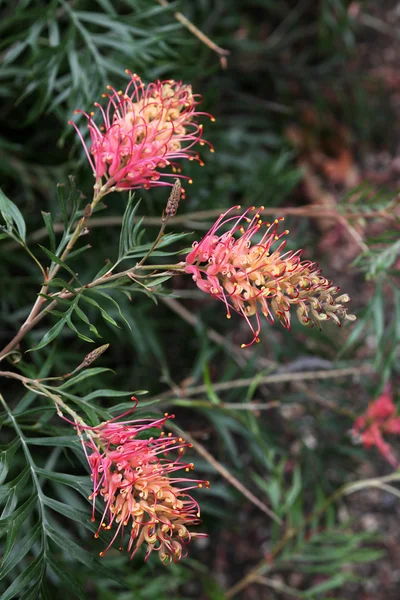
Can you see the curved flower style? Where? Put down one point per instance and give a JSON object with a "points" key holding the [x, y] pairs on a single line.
{"points": [[137, 484], [379, 419], [144, 129], [249, 277]]}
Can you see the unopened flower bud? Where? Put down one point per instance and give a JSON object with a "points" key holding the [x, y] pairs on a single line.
{"points": [[94, 355], [173, 201]]}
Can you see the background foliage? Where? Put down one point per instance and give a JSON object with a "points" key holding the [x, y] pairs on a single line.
{"points": [[306, 124]]}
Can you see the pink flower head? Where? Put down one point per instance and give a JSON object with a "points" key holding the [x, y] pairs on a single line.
{"points": [[144, 130], [252, 276], [379, 419], [139, 487]]}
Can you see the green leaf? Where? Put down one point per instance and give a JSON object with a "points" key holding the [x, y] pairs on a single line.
{"points": [[6, 454], [50, 335], [111, 299], [67, 441], [127, 240], [11, 503], [67, 579], [78, 251], [293, 493], [48, 221], [19, 515], [104, 313], [108, 394], [12, 216], [17, 551], [62, 301], [77, 482], [29, 396], [79, 312], [75, 330], [65, 319], [84, 375], [60, 283], [17, 483], [331, 583], [39, 587], [57, 260], [212, 396], [62, 202], [73, 513], [93, 412], [167, 240], [34, 571], [103, 270], [74, 198], [82, 555]]}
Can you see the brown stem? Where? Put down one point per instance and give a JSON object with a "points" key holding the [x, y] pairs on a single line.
{"points": [[222, 53], [225, 473], [275, 378], [36, 315], [25, 327], [41, 389], [308, 212], [87, 213]]}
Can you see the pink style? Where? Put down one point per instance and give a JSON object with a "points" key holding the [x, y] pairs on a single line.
{"points": [[136, 481], [379, 419], [144, 129], [249, 276]]}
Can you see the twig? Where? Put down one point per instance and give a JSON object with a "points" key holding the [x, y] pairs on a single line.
{"points": [[353, 233], [275, 378], [379, 25], [191, 219], [225, 473], [251, 406], [325, 402], [278, 586], [238, 354], [222, 53], [307, 212], [35, 386]]}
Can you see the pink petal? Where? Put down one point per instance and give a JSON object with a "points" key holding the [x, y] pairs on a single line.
{"points": [[382, 408]]}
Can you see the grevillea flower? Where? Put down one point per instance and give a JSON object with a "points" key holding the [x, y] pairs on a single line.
{"points": [[379, 419], [138, 485], [143, 130], [252, 276]]}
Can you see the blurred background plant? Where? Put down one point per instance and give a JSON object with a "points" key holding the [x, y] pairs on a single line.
{"points": [[307, 123]]}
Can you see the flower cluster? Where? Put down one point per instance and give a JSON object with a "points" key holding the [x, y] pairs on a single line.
{"points": [[144, 129], [135, 479], [252, 276], [379, 419]]}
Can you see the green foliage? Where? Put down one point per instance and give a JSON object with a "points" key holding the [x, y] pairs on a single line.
{"points": [[15, 226], [29, 526], [49, 53], [270, 432]]}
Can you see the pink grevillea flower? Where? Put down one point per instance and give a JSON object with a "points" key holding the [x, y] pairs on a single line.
{"points": [[137, 482], [379, 419], [250, 276], [143, 130]]}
